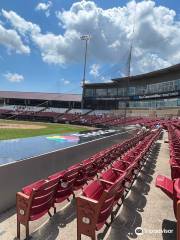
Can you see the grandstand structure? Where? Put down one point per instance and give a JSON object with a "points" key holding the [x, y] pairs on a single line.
{"points": [[152, 94], [54, 100], [155, 95]]}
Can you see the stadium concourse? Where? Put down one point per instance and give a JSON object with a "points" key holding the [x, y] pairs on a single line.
{"points": [[112, 194]]}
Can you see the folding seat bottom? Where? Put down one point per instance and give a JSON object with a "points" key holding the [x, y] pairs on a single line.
{"points": [[165, 184]]}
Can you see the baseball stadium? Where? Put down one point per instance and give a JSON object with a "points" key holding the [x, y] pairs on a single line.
{"points": [[102, 161]]}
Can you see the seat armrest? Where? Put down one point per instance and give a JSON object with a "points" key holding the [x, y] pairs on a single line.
{"points": [[126, 162], [22, 206], [84, 198], [105, 181], [118, 170], [22, 196], [87, 211]]}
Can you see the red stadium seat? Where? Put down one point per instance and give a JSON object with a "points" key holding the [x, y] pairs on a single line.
{"points": [[66, 180], [165, 184], [95, 206], [37, 201], [97, 201]]}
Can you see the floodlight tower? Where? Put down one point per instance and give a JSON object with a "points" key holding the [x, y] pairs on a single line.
{"points": [[86, 39]]}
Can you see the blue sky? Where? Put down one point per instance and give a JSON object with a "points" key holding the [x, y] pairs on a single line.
{"points": [[50, 58]]}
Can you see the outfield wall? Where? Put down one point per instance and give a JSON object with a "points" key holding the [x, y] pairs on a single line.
{"points": [[16, 175]]}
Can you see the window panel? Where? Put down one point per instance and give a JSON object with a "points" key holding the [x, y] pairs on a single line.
{"points": [[101, 92], [89, 92], [112, 91], [121, 91]]}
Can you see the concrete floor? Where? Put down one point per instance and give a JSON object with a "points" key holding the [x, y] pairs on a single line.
{"points": [[145, 206]]}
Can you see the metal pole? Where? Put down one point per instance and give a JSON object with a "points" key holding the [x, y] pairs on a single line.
{"points": [[85, 38], [85, 56], [84, 74], [128, 82]]}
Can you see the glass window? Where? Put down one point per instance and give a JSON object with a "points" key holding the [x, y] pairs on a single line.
{"points": [[89, 92], [155, 103], [101, 92], [121, 91], [177, 84], [112, 91], [178, 101], [140, 90], [162, 87], [132, 91], [121, 104]]}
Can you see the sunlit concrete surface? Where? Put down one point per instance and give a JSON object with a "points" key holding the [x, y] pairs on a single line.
{"points": [[145, 206]]}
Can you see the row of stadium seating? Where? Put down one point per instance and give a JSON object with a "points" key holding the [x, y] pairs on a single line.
{"points": [[69, 180], [171, 187], [36, 200], [98, 200], [76, 116], [95, 118]]}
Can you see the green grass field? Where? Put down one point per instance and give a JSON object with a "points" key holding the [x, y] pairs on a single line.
{"points": [[10, 130]]}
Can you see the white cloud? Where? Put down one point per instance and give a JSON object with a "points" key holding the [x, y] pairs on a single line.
{"points": [[94, 70], [156, 42], [10, 39], [105, 79], [44, 7], [20, 24], [64, 81], [14, 77]]}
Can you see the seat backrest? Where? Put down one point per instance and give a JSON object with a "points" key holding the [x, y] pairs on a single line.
{"points": [[35, 185], [89, 168], [107, 199], [42, 198], [71, 175], [121, 165], [94, 190], [110, 175]]}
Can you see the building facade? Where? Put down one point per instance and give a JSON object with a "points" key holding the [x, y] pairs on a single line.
{"points": [[155, 90]]}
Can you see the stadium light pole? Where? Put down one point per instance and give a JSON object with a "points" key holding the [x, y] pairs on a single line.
{"points": [[86, 39]]}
